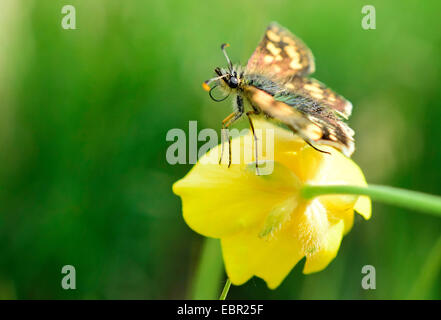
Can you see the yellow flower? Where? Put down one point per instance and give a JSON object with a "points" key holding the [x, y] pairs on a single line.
{"points": [[264, 224]]}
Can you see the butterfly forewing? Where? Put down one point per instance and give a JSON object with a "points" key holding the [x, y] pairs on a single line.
{"points": [[281, 55], [303, 104]]}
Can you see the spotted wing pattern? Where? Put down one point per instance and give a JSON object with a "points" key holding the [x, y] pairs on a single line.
{"points": [[313, 122], [317, 91], [281, 55], [278, 85]]}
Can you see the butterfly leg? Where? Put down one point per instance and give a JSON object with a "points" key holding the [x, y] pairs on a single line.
{"points": [[315, 148], [229, 121], [226, 120], [225, 124], [249, 113]]}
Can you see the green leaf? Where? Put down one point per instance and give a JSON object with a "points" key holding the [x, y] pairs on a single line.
{"points": [[206, 285]]}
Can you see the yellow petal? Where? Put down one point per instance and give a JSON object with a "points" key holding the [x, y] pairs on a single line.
{"points": [[284, 140], [304, 162], [218, 200], [245, 254], [310, 225], [364, 207], [327, 252], [264, 226], [337, 169], [279, 214]]}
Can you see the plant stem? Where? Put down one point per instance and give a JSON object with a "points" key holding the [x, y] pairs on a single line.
{"points": [[226, 289], [209, 272], [403, 198]]}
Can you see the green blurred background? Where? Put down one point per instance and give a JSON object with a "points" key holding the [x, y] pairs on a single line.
{"points": [[83, 119]]}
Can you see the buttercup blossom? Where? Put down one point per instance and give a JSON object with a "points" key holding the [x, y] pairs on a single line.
{"points": [[264, 224]]}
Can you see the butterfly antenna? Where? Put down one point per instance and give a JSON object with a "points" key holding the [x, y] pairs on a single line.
{"points": [[223, 46]]}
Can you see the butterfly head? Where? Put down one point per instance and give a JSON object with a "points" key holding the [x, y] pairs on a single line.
{"points": [[227, 78]]}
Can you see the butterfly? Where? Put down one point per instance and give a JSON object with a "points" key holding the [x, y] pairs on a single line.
{"points": [[276, 83]]}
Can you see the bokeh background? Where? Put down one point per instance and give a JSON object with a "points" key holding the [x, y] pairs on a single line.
{"points": [[84, 115]]}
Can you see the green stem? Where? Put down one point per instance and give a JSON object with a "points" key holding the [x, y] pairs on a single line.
{"points": [[399, 197], [209, 272], [226, 289]]}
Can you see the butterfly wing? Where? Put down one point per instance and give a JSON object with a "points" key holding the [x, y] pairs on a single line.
{"points": [[313, 122], [303, 104], [317, 91], [281, 55]]}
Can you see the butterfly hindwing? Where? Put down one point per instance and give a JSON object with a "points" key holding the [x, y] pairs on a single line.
{"points": [[317, 91], [281, 55], [334, 131], [315, 123]]}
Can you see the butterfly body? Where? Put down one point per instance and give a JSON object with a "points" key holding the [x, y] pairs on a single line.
{"points": [[275, 83]]}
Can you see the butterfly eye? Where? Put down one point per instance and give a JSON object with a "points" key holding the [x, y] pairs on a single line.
{"points": [[233, 82]]}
